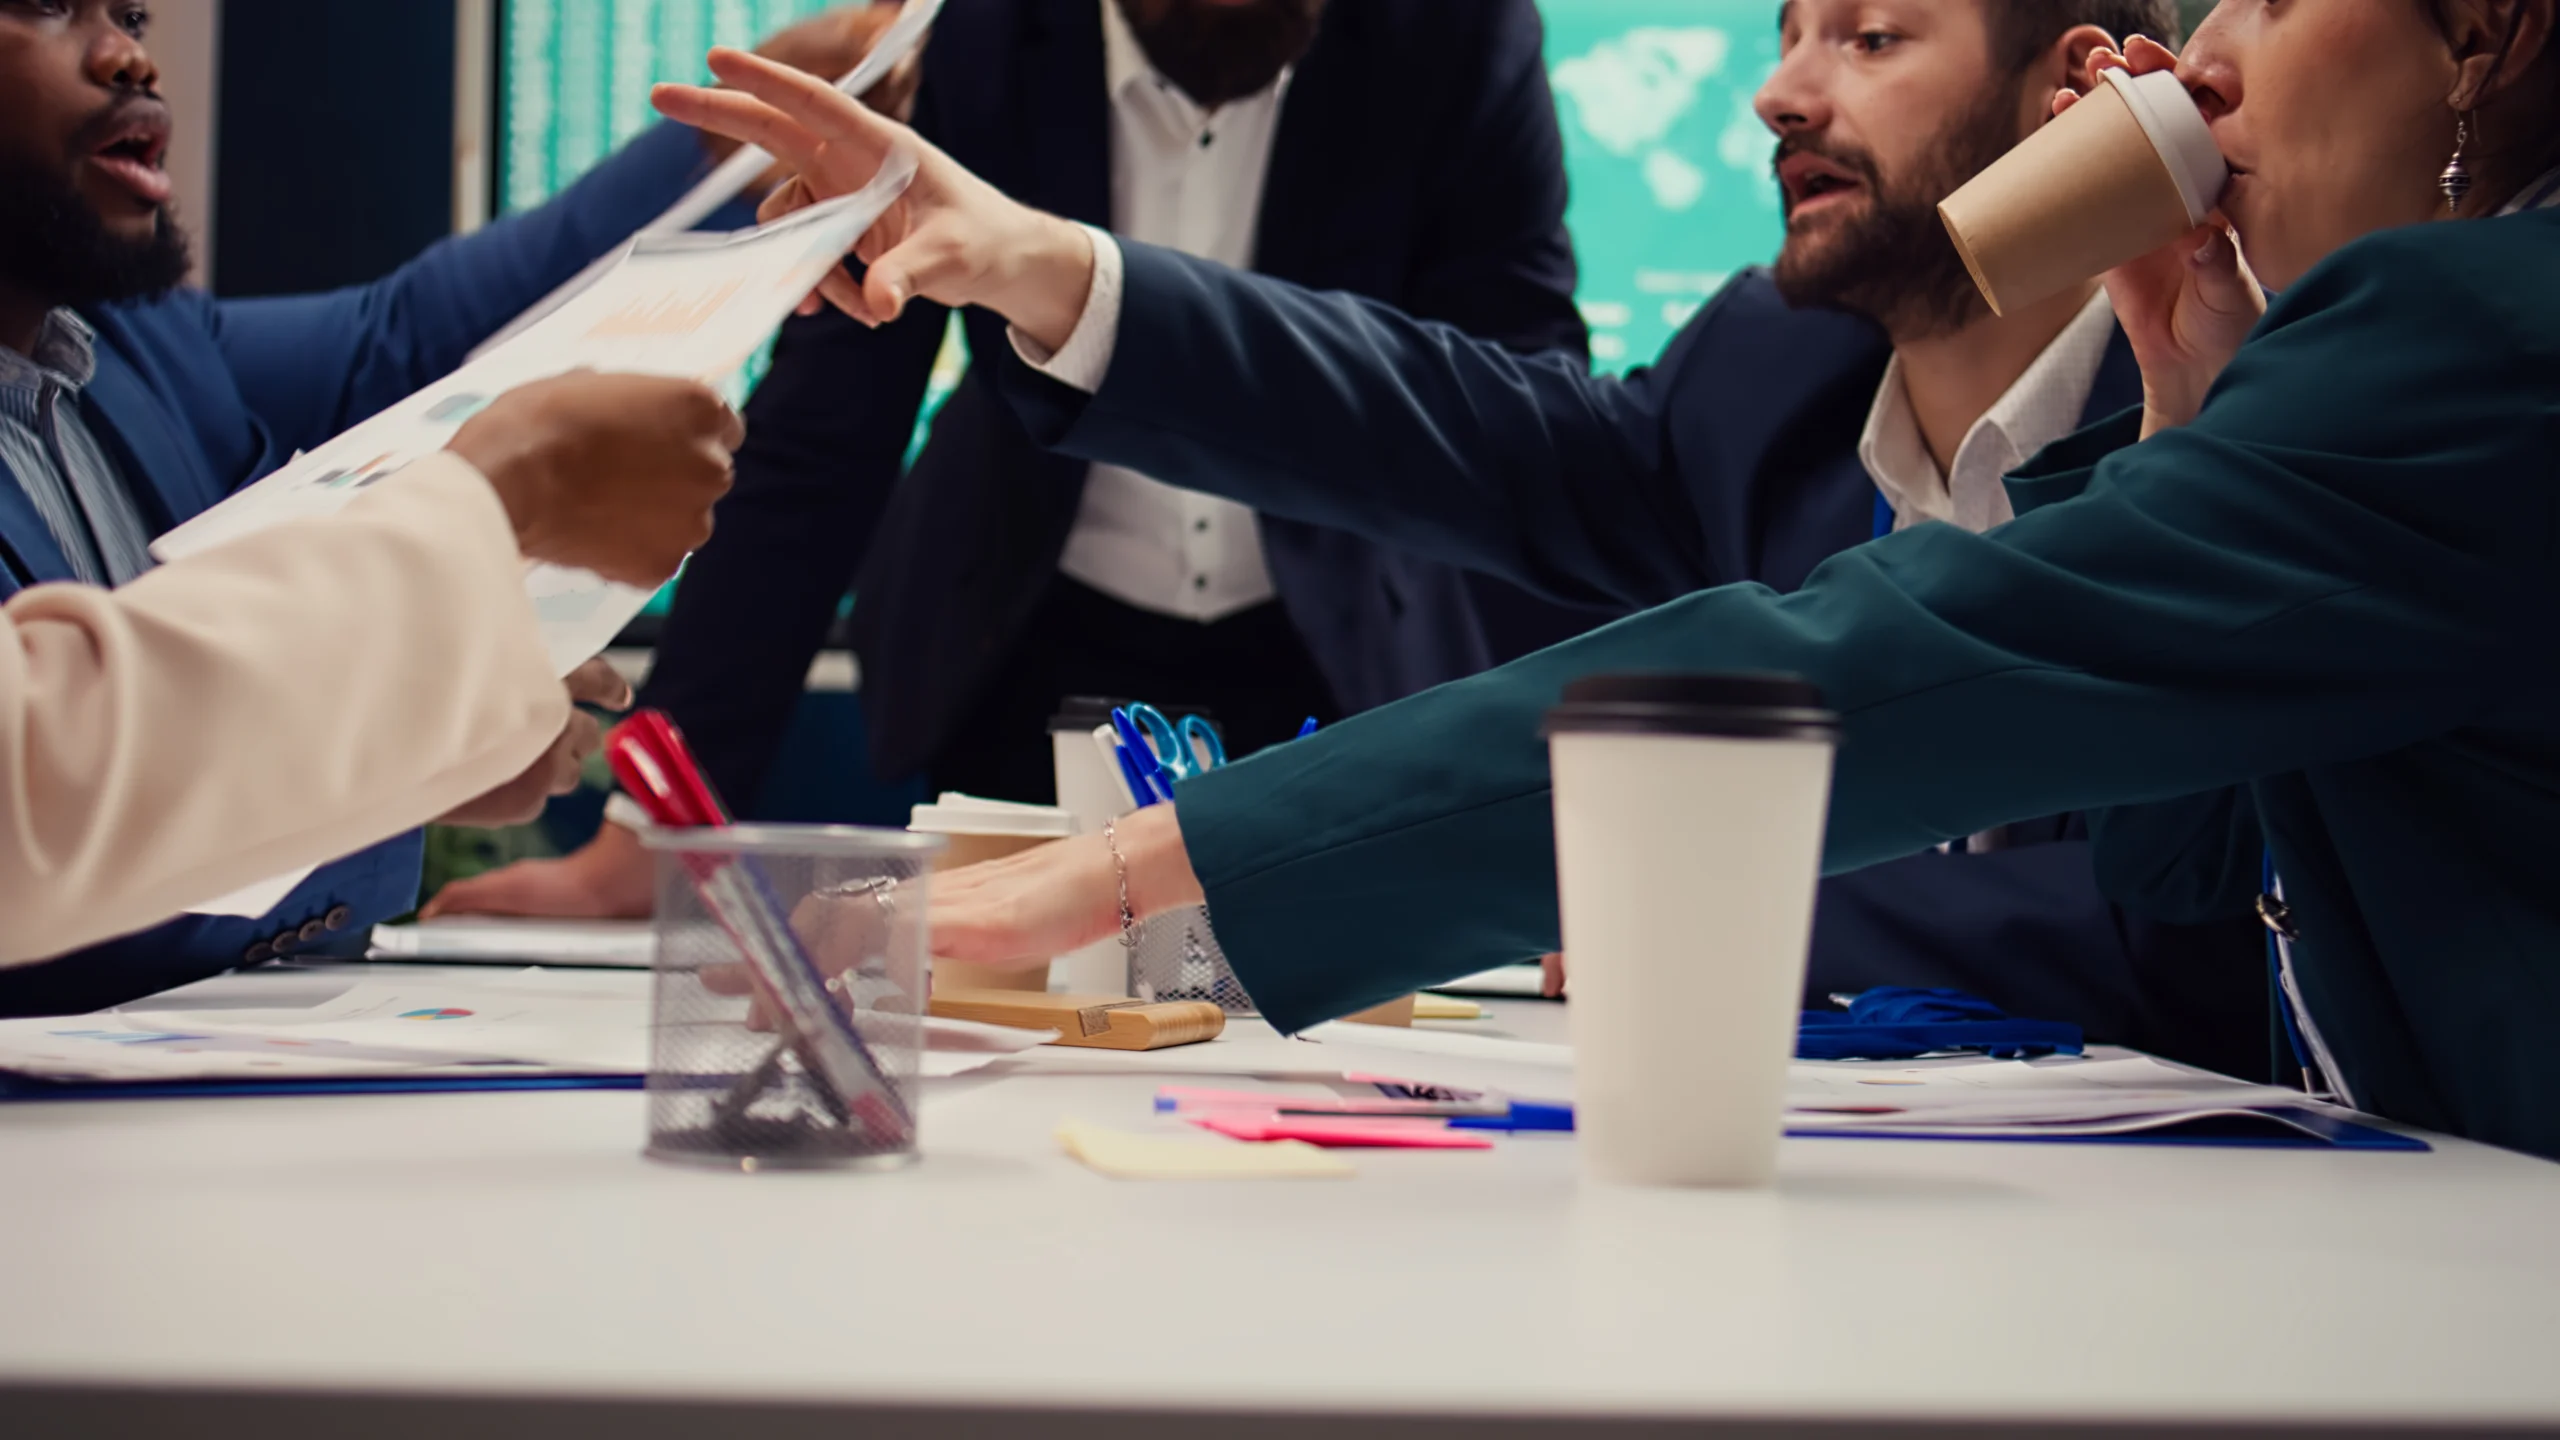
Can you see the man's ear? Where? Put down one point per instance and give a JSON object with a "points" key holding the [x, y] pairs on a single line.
{"points": [[2068, 58]]}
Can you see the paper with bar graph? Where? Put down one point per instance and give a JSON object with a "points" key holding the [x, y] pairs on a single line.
{"points": [[696, 306]]}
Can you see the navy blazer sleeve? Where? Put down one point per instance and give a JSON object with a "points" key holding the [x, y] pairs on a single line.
{"points": [[1527, 467], [312, 365]]}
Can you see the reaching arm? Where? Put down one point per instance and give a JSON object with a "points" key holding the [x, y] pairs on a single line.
{"points": [[312, 365], [148, 765], [2315, 571], [1435, 427]]}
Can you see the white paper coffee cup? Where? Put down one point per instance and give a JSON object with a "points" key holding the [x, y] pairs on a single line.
{"points": [[2125, 171], [1689, 816]]}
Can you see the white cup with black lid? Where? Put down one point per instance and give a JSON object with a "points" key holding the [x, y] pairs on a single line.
{"points": [[1689, 814]]}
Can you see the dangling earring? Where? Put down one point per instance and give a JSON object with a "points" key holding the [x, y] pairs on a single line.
{"points": [[2455, 182]]}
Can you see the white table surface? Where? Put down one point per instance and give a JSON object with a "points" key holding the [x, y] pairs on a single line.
{"points": [[508, 1245]]}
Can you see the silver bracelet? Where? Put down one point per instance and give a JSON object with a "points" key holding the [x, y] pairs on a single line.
{"points": [[1120, 864]]}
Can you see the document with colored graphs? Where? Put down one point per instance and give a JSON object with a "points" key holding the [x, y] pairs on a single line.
{"points": [[690, 305]]}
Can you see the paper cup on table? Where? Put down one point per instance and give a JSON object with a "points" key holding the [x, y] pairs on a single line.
{"points": [[978, 831], [1689, 815], [2125, 171]]}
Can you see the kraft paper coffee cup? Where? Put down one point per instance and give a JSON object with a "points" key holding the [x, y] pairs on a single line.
{"points": [[1689, 814], [979, 831], [2125, 171]]}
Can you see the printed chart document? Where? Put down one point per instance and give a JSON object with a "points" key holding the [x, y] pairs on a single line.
{"points": [[685, 305], [736, 173], [691, 306]]}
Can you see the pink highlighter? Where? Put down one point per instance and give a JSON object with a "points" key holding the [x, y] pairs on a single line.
{"points": [[1383, 1132]]}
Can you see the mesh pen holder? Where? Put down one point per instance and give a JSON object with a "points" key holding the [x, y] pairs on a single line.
{"points": [[1177, 958], [788, 1010]]}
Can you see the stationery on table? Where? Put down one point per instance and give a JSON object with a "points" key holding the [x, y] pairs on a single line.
{"points": [[656, 768]]}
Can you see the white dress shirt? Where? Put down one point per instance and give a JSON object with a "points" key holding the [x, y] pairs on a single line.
{"points": [[2041, 407], [1191, 180]]}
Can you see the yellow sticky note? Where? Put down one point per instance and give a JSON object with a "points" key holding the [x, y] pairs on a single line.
{"points": [[1124, 1156], [1445, 1007]]}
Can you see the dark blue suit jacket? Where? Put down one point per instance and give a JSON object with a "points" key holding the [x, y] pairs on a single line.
{"points": [[195, 397], [1417, 161], [1736, 460]]}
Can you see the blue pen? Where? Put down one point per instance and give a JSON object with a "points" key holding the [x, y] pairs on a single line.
{"points": [[1524, 1115], [1139, 788], [1307, 729]]}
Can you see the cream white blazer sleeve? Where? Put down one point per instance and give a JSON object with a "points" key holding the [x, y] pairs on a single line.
{"points": [[289, 698]]}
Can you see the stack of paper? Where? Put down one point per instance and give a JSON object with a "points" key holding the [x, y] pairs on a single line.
{"points": [[475, 940], [429, 1023], [1945, 1099]]}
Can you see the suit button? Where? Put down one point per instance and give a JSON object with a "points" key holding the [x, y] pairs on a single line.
{"points": [[339, 919], [286, 942], [313, 930], [258, 954]]}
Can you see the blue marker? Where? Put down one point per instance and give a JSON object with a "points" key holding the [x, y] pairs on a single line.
{"points": [[1139, 788], [1307, 729], [1140, 756]]}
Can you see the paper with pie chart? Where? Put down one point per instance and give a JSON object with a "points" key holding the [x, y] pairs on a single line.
{"points": [[688, 305]]}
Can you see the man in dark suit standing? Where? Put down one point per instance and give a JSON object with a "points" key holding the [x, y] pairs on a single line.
{"points": [[1401, 149]]}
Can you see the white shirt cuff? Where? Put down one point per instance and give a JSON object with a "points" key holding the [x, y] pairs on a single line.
{"points": [[1085, 359]]}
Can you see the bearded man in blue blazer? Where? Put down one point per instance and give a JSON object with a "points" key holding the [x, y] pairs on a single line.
{"points": [[129, 404]]}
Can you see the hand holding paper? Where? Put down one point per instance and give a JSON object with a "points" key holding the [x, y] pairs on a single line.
{"points": [[686, 307], [951, 237]]}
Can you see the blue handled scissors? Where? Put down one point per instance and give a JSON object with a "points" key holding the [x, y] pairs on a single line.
{"points": [[1174, 751]]}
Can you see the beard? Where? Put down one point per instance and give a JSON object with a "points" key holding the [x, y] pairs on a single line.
{"points": [[1218, 53], [1893, 263], [54, 244]]}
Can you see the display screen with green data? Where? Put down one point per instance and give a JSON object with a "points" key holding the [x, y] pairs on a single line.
{"points": [[1670, 169]]}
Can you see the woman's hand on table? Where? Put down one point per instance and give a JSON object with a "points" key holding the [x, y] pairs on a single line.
{"points": [[1028, 907], [2187, 306]]}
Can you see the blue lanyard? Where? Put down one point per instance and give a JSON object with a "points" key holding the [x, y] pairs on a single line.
{"points": [[1884, 515]]}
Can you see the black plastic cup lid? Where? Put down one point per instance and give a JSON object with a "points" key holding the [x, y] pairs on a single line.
{"points": [[1734, 705]]}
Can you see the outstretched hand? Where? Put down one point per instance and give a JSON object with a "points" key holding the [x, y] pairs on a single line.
{"points": [[1058, 897], [2186, 307], [951, 238]]}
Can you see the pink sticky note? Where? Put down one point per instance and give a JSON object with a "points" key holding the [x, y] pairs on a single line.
{"points": [[1393, 1134]]}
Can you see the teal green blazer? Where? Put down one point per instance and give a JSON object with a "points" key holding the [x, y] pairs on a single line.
{"points": [[2335, 589]]}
